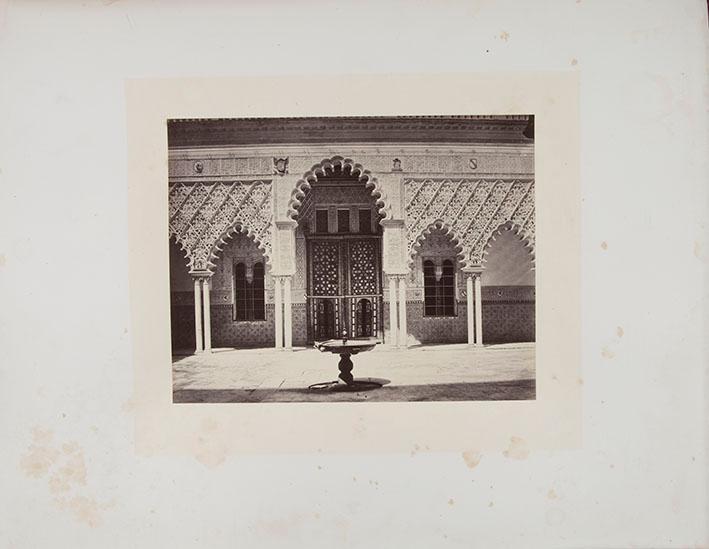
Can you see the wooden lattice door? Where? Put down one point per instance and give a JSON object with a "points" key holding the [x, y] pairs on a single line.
{"points": [[344, 287]]}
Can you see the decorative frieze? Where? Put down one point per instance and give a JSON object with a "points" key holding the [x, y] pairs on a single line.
{"points": [[225, 164]]}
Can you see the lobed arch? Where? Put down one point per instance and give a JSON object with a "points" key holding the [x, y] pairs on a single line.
{"points": [[448, 231], [303, 185], [239, 228], [174, 239], [526, 237]]}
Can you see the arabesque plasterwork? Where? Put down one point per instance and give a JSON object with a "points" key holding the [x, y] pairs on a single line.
{"points": [[203, 215], [470, 210]]}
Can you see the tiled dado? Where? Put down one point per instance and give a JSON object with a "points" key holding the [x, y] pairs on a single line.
{"points": [[501, 294], [511, 321], [507, 318], [227, 332]]}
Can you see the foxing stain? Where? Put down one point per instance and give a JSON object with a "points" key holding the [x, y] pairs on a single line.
{"points": [[517, 449], [471, 458]]}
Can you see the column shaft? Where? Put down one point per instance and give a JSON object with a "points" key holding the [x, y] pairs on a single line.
{"points": [[478, 310], [393, 324], [470, 311], [287, 314], [207, 318], [403, 334], [278, 301], [198, 314]]}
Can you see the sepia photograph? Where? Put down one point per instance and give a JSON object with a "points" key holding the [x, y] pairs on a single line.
{"points": [[354, 274], [330, 259]]}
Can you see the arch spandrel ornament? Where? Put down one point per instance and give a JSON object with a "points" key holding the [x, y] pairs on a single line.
{"points": [[203, 215], [446, 228], [471, 210], [322, 168]]}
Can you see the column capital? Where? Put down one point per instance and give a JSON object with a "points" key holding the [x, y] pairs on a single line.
{"points": [[201, 275], [286, 224], [472, 272], [393, 223]]}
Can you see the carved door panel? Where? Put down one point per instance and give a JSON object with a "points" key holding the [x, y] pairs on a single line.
{"points": [[344, 288]]}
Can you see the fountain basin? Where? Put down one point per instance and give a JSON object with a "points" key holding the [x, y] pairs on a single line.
{"points": [[345, 348], [350, 346]]}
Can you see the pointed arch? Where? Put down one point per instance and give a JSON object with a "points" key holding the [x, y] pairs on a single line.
{"points": [[326, 165]]}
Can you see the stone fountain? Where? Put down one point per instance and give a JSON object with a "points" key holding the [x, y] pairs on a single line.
{"points": [[346, 348]]}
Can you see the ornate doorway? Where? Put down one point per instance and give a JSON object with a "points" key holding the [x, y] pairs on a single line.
{"points": [[344, 287]]}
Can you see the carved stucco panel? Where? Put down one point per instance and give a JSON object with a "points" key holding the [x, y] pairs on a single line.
{"points": [[469, 210], [204, 214]]}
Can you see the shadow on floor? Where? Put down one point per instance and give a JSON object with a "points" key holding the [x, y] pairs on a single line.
{"points": [[500, 390]]}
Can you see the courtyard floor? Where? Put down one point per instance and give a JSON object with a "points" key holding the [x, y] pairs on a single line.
{"points": [[425, 373]]}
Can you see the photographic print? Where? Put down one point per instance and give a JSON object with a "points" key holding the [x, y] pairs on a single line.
{"points": [[330, 259]]}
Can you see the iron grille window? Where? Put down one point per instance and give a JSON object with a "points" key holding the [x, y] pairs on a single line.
{"points": [[249, 302], [439, 288]]}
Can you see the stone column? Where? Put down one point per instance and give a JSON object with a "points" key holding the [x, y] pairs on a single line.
{"points": [[198, 314], [393, 324], [478, 310], [403, 334], [278, 301], [470, 308], [207, 317], [287, 315]]}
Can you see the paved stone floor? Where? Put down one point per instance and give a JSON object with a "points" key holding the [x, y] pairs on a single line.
{"points": [[437, 372]]}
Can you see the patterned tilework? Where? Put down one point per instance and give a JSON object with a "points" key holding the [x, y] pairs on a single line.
{"points": [[510, 322], [424, 329], [229, 333], [508, 317], [300, 329], [182, 327]]}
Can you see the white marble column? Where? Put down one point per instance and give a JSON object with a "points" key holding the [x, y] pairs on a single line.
{"points": [[198, 314], [393, 324], [470, 310], [403, 334], [287, 315], [478, 310], [278, 301], [207, 317]]}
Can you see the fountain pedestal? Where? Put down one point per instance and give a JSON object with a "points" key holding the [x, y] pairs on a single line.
{"points": [[346, 348], [345, 365]]}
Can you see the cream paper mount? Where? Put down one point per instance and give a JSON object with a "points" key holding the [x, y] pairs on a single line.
{"points": [[212, 432]]}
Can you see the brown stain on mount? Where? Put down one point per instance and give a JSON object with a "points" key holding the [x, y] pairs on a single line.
{"points": [[607, 353], [517, 449], [472, 459], [64, 466]]}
